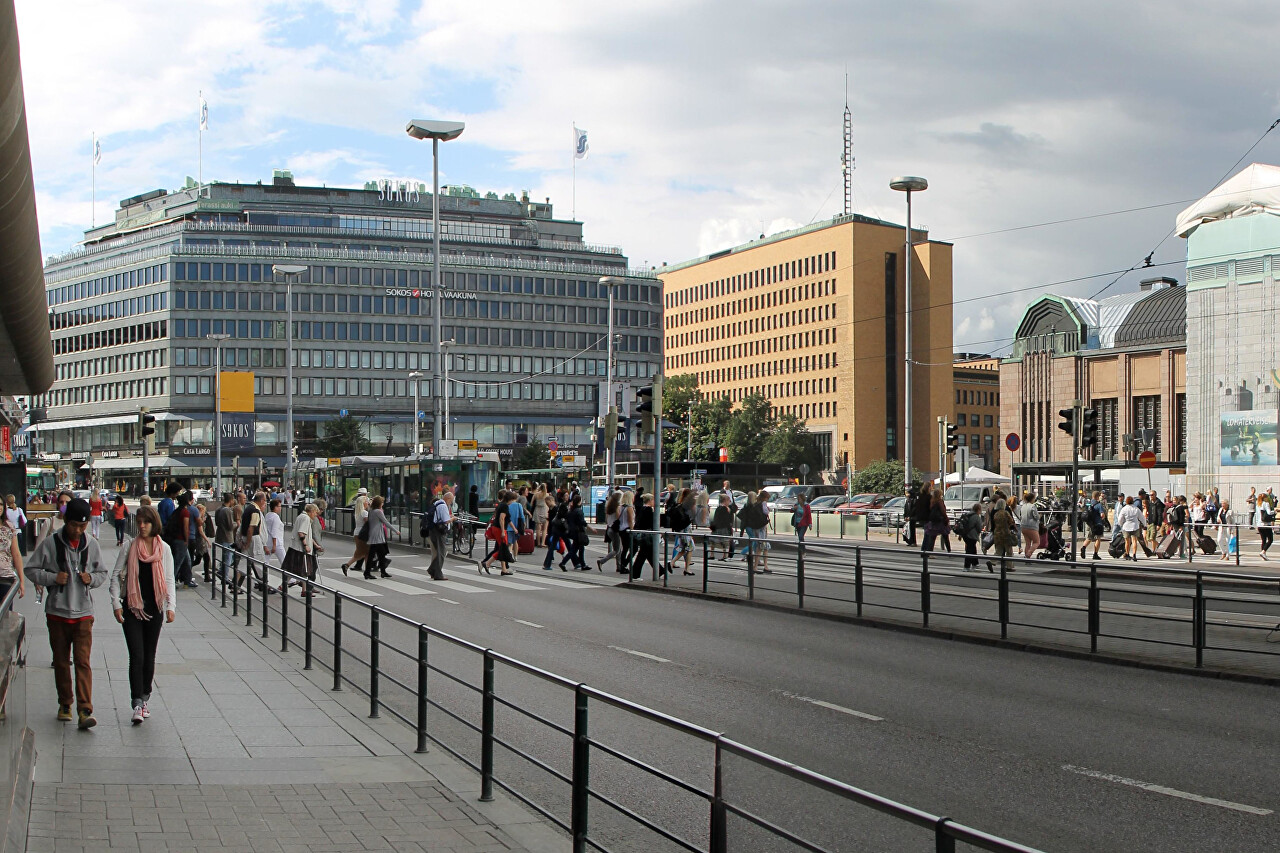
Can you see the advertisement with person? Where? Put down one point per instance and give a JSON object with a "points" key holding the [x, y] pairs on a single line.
{"points": [[1249, 438]]}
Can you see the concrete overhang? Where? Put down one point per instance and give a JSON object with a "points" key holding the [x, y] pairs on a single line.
{"points": [[26, 349]]}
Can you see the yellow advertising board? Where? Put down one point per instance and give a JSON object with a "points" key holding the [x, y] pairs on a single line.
{"points": [[468, 444], [237, 391]]}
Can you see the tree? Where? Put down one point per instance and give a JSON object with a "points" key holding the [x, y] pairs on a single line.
{"points": [[678, 392], [748, 428], [710, 420], [791, 444], [344, 436], [884, 477], [533, 455]]}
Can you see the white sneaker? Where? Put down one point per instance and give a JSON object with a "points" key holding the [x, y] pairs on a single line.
{"points": [[138, 716], [146, 712]]}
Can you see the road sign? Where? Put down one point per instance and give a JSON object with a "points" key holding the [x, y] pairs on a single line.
{"points": [[342, 413], [468, 444], [422, 416], [553, 445], [1147, 459], [1012, 442]]}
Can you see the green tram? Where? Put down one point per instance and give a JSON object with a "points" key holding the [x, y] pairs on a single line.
{"points": [[407, 484]]}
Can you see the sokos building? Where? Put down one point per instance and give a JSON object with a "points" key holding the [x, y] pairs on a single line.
{"points": [[132, 313]]}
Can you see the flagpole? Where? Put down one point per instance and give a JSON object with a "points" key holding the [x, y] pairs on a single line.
{"points": [[93, 180], [574, 206], [200, 144]]}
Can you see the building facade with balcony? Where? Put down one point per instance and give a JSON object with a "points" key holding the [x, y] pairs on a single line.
{"points": [[131, 312], [813, 320], [1125, 356]]}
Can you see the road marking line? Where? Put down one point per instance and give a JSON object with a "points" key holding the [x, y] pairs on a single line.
{"points": [[403, 588], [458, 587], [530, 624], [640, 654], [833, 707], [349, 588], [1161, 789], [447, 600], [503, 582]]}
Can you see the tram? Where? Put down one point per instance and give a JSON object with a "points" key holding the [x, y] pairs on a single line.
{"points": [[405, 483]]}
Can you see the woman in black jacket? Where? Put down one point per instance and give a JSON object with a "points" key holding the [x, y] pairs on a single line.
{"points": [[576, 533], [643, 538], [557, 532], [499, 524], [936, 525]]}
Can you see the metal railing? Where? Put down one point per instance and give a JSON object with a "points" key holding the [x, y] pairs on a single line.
{"points": [[414, 683], [1235, 615]]}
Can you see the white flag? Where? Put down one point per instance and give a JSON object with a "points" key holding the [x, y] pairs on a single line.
{"points": [[204, 113], [579, 143], [97, 151]]}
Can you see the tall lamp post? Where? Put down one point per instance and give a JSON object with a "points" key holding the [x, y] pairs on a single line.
{"points": [[217, 412], [447, 431], [610, 441], [907, 184], [414, 376], [291, 273], [437, 132]]}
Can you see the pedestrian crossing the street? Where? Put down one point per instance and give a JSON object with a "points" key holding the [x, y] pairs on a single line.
{"points": [[413, 580]]}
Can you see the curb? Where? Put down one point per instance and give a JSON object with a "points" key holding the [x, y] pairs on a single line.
{"points": [[965, 637]]}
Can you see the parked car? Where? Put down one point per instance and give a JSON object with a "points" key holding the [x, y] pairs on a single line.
{"points": [[826, 503], [786, 499], [859, 504], [198, 495], [889, 513]]}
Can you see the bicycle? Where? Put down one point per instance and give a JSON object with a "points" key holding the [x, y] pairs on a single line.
{"points": [[462, 535]]}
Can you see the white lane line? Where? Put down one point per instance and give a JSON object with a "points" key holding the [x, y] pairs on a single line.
{"points": [[447, 600], [458, 587], [543, 577], [1169, 792], [645, 655], [862, 715], [403, 588], [502, 582], [349, 588], [530, 624]]}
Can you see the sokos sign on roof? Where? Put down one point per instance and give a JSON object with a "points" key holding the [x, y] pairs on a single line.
{"points": [[402, 191]]}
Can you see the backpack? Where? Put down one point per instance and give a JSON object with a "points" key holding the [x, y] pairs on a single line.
{"points": [[172, 532], [961, 523], [429, 523]]}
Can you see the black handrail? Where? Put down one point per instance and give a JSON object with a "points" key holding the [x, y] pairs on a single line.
{"points": [[945, 831]]}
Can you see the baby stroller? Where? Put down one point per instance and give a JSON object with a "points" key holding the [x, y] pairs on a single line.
{"points": [[1051, 544]]}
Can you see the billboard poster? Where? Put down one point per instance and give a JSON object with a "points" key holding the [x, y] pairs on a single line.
{"points": [[239, 431], [1249, 438]]}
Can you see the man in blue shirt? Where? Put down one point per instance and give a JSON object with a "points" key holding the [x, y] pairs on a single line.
{"points": [[169, 504], [515, 524]]}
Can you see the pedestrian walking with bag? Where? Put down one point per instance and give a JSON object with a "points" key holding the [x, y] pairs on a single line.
{"points": [[17, 520], [1029, 524], [177, 533], [498, 533], [969, 529], [1003, 534], [224, 536], [1266, 517], [69, 566], [142, 589], [801, 518], [436, 528], [120, 518], [95, 513], [10, 561], [611, 530], [273, 534], [936, 524], [722, 525], [299, 564], [379, 548], [644, 539]]}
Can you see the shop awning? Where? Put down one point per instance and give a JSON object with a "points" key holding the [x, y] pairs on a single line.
{"points": [[106, 421], [134, 463]]}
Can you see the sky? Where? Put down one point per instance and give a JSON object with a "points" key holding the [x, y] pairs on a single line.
{"points": [[710, 121]]}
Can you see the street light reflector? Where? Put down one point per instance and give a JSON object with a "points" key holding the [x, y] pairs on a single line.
{"points": [[908, 184], [611, 281], [217, 337], [288, 269], [442, 130], [417, 374]]}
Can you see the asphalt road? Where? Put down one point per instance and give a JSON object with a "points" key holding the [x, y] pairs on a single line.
{"points": [[1056, 753]]}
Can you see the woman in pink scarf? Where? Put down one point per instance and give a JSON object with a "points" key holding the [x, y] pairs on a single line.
{"points": [[142, 587]]}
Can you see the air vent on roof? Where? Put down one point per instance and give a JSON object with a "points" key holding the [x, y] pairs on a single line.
{"points": [[139, 199]]}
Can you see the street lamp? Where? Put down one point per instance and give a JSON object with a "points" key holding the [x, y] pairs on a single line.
{"points": [[291, 273], [445, 357], [217, 411], [907, 184], [437, 132], [414, 376], [610, 441]]}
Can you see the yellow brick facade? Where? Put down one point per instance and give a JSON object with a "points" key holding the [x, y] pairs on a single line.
{"points": [[813, 321]]}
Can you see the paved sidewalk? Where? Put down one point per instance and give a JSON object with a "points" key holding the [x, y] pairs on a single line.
{"points": [[242, 753]]}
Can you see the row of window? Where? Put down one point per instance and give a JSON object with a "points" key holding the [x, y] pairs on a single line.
{"points": [[799, 268], [396, 225], [111, 337], [342, 386], [1145, 420], [973, 420], [785, 296], [784, 320], [410, 278], [110, 310], [976, 442], [103, 393], [976, 398], [107, 284], [777, 367], [125, 362], [747, 349]]}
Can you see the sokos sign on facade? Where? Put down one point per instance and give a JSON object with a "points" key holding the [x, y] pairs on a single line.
{"points": [[239, 431]]}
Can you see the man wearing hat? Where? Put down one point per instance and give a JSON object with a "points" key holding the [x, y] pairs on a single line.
{"points": [[69, 565]]}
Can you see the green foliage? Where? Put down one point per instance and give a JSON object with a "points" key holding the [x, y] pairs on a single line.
{"points": [[344, 436], [884, 476], [532, 456], [790, 443], [748, 429]]}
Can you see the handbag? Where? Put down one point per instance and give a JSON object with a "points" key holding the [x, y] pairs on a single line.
{"points": [[988, 539], [363, 533]]}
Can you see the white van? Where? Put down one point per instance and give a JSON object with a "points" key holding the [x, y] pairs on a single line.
{"points": [[962, 496]]}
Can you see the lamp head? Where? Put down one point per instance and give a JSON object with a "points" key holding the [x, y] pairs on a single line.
{"points": [[611, 281], [288, 269], [442, 130], [908, 184]]}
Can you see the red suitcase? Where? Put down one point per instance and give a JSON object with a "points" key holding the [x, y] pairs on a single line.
{"points": [[525, 545]]}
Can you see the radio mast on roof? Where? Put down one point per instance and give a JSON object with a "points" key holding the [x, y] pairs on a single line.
{"points": [[846, 161]]}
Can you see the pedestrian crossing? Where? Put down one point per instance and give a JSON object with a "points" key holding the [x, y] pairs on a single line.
{"points": [[412, 580]]}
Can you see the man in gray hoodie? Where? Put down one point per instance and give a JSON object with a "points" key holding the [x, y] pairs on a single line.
{"points": [[69, 565]]}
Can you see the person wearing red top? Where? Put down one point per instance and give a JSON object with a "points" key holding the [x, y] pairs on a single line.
{"points": [[120, 518], [95, 513]]}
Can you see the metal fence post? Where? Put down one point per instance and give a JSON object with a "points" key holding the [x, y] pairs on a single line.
{"points": [[266, 587], [943, 843], [284, 613], [719, 822], [337, 642], [581, 771], [375, 647], [857, 577], [306, 642], [248, 593], [223, 582], [924, 587], [1095, 609], [1198, 620], [800, 574], [706, 565], [1003, 586], [751, 569], [422, 688], [486, 731]]}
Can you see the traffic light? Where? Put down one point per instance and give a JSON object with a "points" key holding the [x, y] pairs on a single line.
{"points": [[611, 427], [146, 423], [649, 406], [1088, 428], [952, 442], [1068, 424]]}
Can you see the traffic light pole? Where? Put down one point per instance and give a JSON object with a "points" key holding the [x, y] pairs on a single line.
{"points": [[1075, 474]]}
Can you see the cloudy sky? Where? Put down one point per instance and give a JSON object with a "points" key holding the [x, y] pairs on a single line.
{"points": [[709, 122]]}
